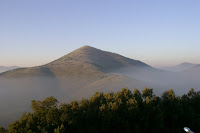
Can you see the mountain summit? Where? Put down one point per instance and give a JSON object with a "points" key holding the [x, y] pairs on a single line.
{"points": [[91, 59]]}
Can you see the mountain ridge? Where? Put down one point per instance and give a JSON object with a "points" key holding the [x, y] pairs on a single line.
{"points": [[180, 67], [83, 61]]}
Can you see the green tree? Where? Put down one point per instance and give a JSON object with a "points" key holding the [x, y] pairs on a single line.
{"points": [[3, 130], [118, 112], [60, 129], [168, 95], [137, 95], [147, 92], [47, 104]]}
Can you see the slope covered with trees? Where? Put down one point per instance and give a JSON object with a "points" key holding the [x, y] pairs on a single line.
{"points": [[124, 111]]}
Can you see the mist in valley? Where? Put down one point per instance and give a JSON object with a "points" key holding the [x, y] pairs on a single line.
{"points": [[80, 74], [16, 94], [161, 80]]}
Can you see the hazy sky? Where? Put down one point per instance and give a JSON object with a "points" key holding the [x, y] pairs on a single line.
{"points": [[157, 32]]}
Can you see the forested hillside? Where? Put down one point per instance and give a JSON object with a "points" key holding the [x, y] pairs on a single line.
{"points": [[122, 112]]}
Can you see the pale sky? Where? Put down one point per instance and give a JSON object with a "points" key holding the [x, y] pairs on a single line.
{"points": [[157, 32]]}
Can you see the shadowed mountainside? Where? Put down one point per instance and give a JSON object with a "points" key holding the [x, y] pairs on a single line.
{"points": [[193, 71], [83, 61], [86, 66]]}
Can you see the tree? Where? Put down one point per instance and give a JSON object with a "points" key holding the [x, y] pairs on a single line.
{"points": [[48, 103], [60, 129], [122, 111], [137, 95], [3, 130], [168, 95], [147, 92]]}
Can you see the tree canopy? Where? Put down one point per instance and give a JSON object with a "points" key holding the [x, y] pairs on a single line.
{"points": [[123, 111]]}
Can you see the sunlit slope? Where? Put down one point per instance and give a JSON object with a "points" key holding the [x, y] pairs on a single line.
{"points": [[91, 61], [85, 62]]}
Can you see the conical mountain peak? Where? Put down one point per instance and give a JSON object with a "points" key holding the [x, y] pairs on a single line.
{"points": [[88, 60], [85, 49], [97, 59]]}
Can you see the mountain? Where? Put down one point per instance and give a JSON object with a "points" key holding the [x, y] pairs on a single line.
{"points": [[82, 67], [193, 71], [180, 67], [80, 74], [83, 61], [195, 68], [74, 76], [4, 68]]}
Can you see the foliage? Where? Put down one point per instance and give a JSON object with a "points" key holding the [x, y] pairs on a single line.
{"points": [[3, 130], [119, 112]]}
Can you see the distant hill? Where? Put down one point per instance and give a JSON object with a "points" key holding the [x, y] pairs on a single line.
{"points": [[193, 71], [180, 67], [195, 68], [7, 68]]}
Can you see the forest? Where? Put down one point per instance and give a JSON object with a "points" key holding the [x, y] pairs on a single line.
{"points": [[121, 112]]}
